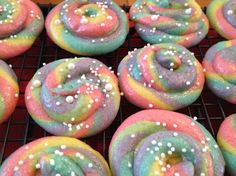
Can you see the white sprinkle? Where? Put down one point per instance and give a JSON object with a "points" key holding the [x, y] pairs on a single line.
{"points": [[109, 17], [69, 99], [150, 105], [188, 83], [52, 162], [176, 174], [184, 150], [63, 146], [192, 150], [37, 83], [172, 149], [188, 11], [129, 165], [57, 22], [175, 134], [108, 87], [230, 12], [37, 166], [154, 17], [71, 66], [20, 162], [163, 169], [132, 136], [84, 21], [31, 156], [16, 168], [90, 165], [154, 142], [58, 103]]}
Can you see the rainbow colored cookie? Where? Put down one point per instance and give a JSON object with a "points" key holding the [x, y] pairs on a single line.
{"points": [[222, 16], [21, 21], [226, 139], [158, 142], [162, 76], [170, 21], [9, 91], [88, 27], [220, 70], [58, 156], [73, 97]]}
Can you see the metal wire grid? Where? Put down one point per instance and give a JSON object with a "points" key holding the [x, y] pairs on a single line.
{"points": [[21, 129]]}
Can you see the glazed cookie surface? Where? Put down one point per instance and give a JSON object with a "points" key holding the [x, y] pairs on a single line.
{"points": [[158, 142], [222, 16], [220, 66], [162, 76], [9, 91], [226, 139], [170, 21], [21, 21], [55, 156], [87, 27], [73, 97]]}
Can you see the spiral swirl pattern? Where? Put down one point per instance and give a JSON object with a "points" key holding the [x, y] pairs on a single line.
{"points": [[222, 16], [73, 97], [163, 76], [220, 67], [55, 156], [170, 21], [21, 21], [158, 142], [9, 91], [226, 139], [87, 27]]}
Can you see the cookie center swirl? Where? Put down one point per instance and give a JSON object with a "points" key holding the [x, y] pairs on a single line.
{"points": [[168, 59], [13, 15], [226, 59], [230, 12], [164, 66], [89, 18]]}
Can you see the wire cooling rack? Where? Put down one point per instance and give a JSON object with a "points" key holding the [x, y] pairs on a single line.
{"points": [[21, 129]]}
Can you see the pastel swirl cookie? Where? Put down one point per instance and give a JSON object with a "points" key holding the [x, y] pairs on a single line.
{"points": [[9, 91], [87, 27], [170, 21], [55, 156], [21, 21], [73, 97], [220, 70], [163, 76], [222, 16], [226, 139], [158, 142]]}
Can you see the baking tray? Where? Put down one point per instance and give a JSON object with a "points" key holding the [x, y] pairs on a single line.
{"points": [[21, 129]]}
